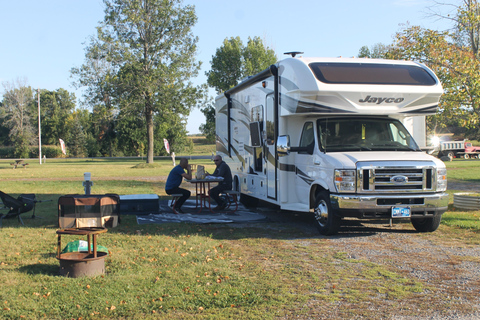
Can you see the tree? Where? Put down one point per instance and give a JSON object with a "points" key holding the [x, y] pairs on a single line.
{"points": [[76, 139], [16, 113], [232, 62], [151, 51], [56, 107], [227, 66], [98, 76], [208, 129], [456, 66], [377, 51]]}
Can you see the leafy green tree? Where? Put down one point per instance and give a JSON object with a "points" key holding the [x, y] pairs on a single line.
{"points": [[457, 67], [454, 57], [152, 49], [231, 63], [227, 66], [76, 139], [234, 61], [208, 129], [172, 127], [131, 132], [103, 129], [17, 115], [257, 57], [55, 108], [4, 131], [98, 76]]}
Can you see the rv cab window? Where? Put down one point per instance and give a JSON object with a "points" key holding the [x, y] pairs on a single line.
{"points": [[364, 134], [308, 138]]}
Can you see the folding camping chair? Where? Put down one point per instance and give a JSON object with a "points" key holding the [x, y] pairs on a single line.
{"points": [[24, 203]]}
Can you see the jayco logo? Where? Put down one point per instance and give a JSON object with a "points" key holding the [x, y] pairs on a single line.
{"points": [[379, 100]]}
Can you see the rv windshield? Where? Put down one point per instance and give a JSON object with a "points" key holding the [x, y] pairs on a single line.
{"points": [[364, 134], [371, 73]]}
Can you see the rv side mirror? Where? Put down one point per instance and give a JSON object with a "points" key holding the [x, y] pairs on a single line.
{"points": [[283, 146]]}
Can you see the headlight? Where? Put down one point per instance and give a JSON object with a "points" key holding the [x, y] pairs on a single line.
{"points": [[441, 179], [345, 180]]}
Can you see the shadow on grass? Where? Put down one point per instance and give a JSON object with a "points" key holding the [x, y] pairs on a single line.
{"points": [[43, 269], [277, 225]]}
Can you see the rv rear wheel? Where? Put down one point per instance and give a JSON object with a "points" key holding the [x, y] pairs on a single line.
{"points": [[247, 201], [427, 224], [326, 221]]}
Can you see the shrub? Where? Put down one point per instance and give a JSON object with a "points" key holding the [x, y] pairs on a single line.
{"points": [[47, 151]]}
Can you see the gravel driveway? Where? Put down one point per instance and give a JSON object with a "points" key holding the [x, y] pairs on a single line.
{"points": [[446, 262]]}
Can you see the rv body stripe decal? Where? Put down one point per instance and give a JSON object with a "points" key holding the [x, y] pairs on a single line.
{"points": [[298, 172], [303, 176], [431, 109], [296, 106]]}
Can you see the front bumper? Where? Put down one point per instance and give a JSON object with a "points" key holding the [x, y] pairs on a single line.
{"points": [[379, 206]]}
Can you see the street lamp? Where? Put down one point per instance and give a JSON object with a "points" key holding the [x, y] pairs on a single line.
{"points": [[39, 130]]}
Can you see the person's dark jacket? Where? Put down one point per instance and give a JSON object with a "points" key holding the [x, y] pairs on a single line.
{"points": [[223, 170]]}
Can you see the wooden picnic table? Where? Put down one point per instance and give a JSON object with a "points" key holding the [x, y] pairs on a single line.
{"points": [[19, 163]]}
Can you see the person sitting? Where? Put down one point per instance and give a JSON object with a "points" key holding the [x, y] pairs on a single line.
{"points": [[172, 186], [222, 170]]}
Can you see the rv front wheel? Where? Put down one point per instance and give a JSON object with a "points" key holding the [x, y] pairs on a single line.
{"points": [[326, 221], [427, 224]]}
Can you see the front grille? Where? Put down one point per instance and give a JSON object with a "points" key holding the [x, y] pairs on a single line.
{"points": [[382, 178]]}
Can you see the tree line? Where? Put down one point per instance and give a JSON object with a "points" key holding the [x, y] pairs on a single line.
{"points": [[87, 133]]}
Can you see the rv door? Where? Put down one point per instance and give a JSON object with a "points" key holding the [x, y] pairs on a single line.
{"points": [[269, 154]]}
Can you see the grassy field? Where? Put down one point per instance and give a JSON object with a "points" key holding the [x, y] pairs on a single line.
{"points": [[187, 271]]}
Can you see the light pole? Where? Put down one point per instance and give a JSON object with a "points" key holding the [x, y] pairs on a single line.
{"points": [[39, 129]]}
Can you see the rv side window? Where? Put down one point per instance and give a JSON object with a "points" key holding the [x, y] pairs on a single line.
{"points": [[372, 73], [308, 138]]}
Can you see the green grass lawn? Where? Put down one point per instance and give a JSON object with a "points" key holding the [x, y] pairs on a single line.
{"points": [[187, 271]]}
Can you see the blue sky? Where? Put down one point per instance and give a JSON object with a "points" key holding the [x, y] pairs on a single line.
{"points": [[42, 40]]}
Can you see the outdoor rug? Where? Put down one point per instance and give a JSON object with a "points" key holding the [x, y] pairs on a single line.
{"points": [[191, 215]]}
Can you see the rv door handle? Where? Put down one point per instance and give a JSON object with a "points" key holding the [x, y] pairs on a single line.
{"points": [[317, 162]]}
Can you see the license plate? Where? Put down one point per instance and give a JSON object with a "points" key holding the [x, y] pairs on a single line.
{"points": [[400, 212]]}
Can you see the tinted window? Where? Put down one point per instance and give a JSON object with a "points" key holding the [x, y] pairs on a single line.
{"points": [[364, 134], [370, 73]]}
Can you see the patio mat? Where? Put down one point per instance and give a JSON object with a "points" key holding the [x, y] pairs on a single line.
{"points": [[191, 215]]}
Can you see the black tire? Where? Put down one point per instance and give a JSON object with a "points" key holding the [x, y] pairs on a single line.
{"points": [[247, 201], [326, 221], [466, 156], [427, 224], [451, 154]]}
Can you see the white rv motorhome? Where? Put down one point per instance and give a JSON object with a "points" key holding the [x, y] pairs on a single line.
{"points": [[328, 136]]}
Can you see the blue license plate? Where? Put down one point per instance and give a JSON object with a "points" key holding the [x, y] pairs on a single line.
{"points": [[400, 212]]}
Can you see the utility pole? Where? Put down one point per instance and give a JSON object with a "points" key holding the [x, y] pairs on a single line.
{"points": [[39, 129]]}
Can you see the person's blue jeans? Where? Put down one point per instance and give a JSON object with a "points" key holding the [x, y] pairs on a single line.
{"points": [[185, 195]]}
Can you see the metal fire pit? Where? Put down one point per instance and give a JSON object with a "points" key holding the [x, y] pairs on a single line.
{"points": [[80, 264]]}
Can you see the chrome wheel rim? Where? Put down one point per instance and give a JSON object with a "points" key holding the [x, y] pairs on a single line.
{"points": [[321, 213]]}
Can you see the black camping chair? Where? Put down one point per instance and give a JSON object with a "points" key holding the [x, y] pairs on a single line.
{"points": [[23, 203]]}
